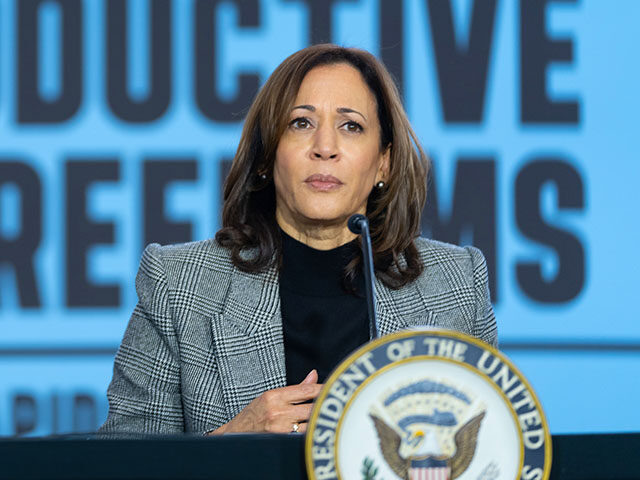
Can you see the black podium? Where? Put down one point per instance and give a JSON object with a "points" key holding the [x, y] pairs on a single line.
{"points": [[593, 457]]}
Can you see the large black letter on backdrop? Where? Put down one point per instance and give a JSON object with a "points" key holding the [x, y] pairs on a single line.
{"points": [[391, 15], [569, 280], [82, 233], [462, 72], [205, 71], [32, 108], [473, 211], [159, 71], [320, 19], [157, 175], [25, 413], [536, 52], [20, 250]]}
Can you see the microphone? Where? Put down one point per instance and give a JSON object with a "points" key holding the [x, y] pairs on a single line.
{"points": [[359, 225]]}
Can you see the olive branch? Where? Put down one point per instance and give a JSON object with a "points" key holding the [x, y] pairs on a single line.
{"points": [[369, 470]]}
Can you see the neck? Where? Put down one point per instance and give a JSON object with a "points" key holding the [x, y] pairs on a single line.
{"points": [[317, 235]]}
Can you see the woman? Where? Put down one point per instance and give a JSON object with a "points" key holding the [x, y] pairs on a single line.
{"points": [[237, 333]]}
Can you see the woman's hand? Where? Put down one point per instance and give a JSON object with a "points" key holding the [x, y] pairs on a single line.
{"points": [[275, 411]]}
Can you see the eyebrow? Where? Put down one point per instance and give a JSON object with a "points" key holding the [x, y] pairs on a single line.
{"points": [[339, 110]]}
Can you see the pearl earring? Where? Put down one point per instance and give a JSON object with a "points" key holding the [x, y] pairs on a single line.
{"points": [[380, 184], [263, 176]]}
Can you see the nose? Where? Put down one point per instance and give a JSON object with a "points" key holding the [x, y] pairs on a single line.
{"points": [[325, 143]]}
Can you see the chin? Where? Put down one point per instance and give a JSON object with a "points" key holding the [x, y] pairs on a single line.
{"points": [[325, 215], [327, 209]]}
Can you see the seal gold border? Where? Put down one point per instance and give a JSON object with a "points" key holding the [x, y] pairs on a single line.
{"points": [[347, 362]]}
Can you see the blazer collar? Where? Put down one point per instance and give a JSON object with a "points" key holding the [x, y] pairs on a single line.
{"points": [[253, 302], [400, 309]]}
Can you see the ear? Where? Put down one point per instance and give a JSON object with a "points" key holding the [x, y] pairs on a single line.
{"points": [[384, 165]]}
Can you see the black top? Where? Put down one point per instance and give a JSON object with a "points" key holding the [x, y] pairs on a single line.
{"points": [[322, 323]]}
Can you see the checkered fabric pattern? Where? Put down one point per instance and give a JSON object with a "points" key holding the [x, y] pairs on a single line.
{"points": [[206, 338]]}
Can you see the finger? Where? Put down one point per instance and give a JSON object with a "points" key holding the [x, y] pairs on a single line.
{"points": [[312, 377], [301, 392], [302, 426], [294, 414], [282, 427], [301, 412], [286, 423]]}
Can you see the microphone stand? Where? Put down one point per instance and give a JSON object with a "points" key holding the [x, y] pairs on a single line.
{"points": [[359, 225]]}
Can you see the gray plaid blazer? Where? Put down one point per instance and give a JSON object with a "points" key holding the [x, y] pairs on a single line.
{"points": [[206, 338]]}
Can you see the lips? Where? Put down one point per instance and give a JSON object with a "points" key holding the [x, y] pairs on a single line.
{"points": [[323, 183]]}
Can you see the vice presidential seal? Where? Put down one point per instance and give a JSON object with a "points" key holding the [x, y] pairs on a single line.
{"points": [[429, 404]]}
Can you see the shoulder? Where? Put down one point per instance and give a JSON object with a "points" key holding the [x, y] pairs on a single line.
{"points": [[206, 253], [459, 274], [439, 255], [449, 293], [196, 269], [449, 267]]}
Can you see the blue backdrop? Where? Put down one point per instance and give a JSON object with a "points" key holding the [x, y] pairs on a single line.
{"points": [[528, 108]]}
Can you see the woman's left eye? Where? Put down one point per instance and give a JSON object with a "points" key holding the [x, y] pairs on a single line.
{"points": [[352, 126]]}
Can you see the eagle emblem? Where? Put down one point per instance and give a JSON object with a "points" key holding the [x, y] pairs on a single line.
{"points": [[432, 432]]}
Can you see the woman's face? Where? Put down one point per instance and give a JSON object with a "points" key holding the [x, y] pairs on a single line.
{"points": [[329, 157]]}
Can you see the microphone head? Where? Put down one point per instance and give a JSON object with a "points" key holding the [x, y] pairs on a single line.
{"points": [[356, 223]]}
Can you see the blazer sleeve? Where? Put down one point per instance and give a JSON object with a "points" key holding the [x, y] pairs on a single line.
{"points": [[484, 327], [144, 394]]}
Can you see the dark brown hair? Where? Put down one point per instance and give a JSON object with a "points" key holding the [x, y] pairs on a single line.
{"points": [[249, 223]]}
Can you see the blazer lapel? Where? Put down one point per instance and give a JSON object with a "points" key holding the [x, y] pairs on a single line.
{"points": [[248, 339], [400, 309]]}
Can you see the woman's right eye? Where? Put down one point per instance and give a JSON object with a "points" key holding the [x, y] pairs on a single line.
{"points": [[300, 122]]}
